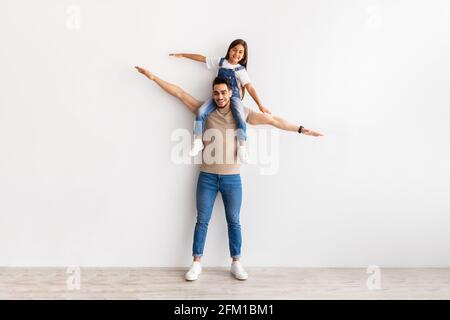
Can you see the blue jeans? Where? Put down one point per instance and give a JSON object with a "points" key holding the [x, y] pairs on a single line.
{"points": [[230, 187], [237, 109]]}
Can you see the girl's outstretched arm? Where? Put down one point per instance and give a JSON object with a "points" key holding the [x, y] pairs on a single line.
{"points": [[259, 118], [251, 89], [192, 56]]}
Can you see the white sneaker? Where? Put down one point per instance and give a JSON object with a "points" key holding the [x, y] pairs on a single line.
{"points": [[197, 146], [194, 271], [238, 271], [243, 154]]}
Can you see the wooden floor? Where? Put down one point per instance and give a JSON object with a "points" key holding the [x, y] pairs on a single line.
{"points": [[217, 283]]}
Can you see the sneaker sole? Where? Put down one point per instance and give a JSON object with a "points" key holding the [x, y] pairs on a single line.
{"points": [[239, 278]]}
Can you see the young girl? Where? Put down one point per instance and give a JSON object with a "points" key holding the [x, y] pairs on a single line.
{"points": [[234, 68]]}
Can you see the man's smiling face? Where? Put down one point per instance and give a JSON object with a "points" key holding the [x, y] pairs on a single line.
{"points": [[221, 95]]}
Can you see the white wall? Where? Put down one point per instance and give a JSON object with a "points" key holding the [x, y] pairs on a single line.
{"points": [[86, 176]]}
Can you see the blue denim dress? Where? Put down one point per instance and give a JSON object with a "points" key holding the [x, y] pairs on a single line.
{"points": [[237, 108]]}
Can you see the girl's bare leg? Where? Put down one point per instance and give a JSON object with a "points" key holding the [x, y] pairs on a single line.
{"points": [[174, 90]]}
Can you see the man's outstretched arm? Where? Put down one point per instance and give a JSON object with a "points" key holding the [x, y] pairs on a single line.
{"points": [[189, 101], [255, 118]]}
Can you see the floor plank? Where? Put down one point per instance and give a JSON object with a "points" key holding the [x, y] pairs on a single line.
{"points": [[217, 283]]}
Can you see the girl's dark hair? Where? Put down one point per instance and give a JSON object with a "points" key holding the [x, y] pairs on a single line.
{"points": [[243, 62]]}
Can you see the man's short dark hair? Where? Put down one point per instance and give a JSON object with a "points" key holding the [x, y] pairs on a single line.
{"points": [[220, 80]]}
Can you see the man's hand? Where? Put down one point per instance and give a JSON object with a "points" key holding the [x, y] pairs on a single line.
{"points": [[145, 72], [311, 133], [264, 110], [178, 55]]}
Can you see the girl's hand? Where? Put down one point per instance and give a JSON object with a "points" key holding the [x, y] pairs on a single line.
{"points": [[178, 55], [264, 110], [311, 133]]}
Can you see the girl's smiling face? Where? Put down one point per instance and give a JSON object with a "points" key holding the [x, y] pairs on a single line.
{"points": [[236, 54]]}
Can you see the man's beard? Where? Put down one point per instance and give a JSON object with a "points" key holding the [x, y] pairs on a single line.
{"points": [[220, 107]]}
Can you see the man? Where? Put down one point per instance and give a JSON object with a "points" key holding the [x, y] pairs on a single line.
{"points": [[221, 176]]}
